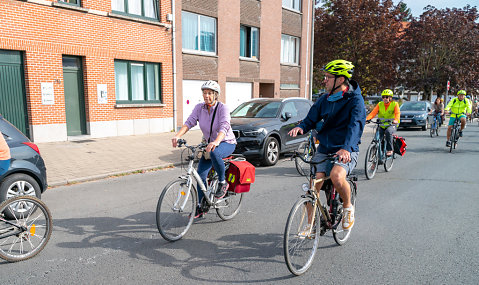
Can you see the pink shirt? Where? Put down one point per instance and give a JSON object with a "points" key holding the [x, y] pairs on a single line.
{"points": [[4, 149]]}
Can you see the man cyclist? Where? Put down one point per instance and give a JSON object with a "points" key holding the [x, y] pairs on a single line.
{"points": [[387, 110], [342, 114], [460, 107]]}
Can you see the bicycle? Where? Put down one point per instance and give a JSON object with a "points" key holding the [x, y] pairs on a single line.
{"points": [[376, 153], [176, 206], [308, 215], [456, 128], [434, 129], [28, 232], [307, 149]]}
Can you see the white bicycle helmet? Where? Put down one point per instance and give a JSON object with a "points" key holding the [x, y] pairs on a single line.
{"points": [[212, 85]]}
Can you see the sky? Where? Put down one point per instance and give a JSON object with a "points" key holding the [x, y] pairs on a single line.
{"points": [[417, 6]]}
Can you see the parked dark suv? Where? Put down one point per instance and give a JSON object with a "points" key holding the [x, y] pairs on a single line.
{"points": [[27, 174], [261, 127]]}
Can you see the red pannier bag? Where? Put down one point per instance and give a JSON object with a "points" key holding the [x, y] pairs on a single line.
{"points": [[240, 176], [399, 145]]}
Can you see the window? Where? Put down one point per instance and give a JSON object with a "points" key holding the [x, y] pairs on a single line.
{"points": [[289, 107], [249, 42], [143, 8], [137, 82], [289, 49], [199, 32], [74, 2], [292, 4], [288, 86]]}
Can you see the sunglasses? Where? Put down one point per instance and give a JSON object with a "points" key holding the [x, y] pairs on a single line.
{"points": [[384, 97], [328, 77]]}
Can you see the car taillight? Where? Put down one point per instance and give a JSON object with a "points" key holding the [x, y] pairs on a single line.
{"points": [[33, 146]]}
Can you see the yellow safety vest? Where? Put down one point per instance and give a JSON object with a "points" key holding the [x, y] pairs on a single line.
{"points": [[386, 114], [457, 107]]}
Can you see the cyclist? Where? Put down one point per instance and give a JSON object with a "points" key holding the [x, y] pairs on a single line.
{"points": [[4, 155], [387, 109], [214, 120], [458, 107], [343, 115], [438, 111]]}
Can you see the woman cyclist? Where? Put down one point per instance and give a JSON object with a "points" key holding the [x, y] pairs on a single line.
{"points": [[387, 109], [214, 120], [438, 110]]}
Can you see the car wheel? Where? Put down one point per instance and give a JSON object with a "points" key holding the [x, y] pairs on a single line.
{"points": [[271, 152], [19, 185], [424, 127]]}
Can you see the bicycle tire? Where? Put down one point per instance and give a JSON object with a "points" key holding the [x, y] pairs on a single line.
{"points": [[33, 238], [452, 139], [371, 161], [341, 236], [299, 250], [307, 152], [437, 131], [388, 164], [172, 221], [229, 206], [432, 130]]}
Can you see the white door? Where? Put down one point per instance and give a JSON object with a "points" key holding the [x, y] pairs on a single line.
{"points": [[237, 93], [192, 95]]}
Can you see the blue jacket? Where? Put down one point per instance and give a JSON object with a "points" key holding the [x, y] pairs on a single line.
{"points": [[342, 121]]}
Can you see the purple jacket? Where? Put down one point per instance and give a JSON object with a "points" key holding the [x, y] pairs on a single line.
{"points": [[221, 123]]}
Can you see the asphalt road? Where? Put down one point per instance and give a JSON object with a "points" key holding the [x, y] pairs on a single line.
{"points": [[417, 224]]}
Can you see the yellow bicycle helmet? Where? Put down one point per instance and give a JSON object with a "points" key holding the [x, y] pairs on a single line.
{"points": [[387, 92], [461, 92], [339, 67]]}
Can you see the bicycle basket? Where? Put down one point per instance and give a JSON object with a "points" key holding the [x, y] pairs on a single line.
{"points": [[240, 176]]}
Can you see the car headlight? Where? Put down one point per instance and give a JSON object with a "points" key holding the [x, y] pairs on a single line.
{"points": [[422, 116], [254, 133]]}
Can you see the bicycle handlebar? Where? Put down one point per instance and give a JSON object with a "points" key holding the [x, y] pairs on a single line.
{"points": [[331, 157], [182, 142]]}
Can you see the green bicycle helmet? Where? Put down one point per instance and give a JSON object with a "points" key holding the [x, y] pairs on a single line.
{"points": [[339, 67], [387, 92], [461, 92]]}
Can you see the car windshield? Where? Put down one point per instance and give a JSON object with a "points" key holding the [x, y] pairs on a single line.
{"points": [[256, 109], [413, 106]]}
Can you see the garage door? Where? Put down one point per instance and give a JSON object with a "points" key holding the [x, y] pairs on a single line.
{"points": [[237, 93], [192, 95]]}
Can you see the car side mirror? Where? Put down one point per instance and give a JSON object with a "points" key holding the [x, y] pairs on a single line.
{"points": [[428, 109], [287, 116]]}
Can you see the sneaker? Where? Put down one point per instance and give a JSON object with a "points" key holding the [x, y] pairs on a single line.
{"points": [[448, 144], [199, 212], [221, 191], [460, 134], [348, 218], [307, 232]]}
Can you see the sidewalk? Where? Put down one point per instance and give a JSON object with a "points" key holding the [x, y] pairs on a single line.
{"points": [[94, 158]]}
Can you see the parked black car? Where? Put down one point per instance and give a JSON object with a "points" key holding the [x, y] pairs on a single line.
{"points": [[27, 174], [261, 127], [414, 114]]}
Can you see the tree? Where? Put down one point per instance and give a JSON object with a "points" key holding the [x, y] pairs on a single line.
{"points": [[364, 32], [438, 46], [406, 12]]}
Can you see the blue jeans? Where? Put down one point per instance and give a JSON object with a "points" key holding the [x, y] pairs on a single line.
{"points": [[216, 160], [4, 165]]}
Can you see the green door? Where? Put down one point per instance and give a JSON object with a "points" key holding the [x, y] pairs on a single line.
{"points": [[74, 97], [12, 90]]}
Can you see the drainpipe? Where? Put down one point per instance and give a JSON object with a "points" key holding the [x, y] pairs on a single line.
{"points": [[173, 40], [312, 53], [307, 53]]}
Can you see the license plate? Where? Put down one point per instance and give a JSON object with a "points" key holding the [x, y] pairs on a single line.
{"points": [[406, 121]]}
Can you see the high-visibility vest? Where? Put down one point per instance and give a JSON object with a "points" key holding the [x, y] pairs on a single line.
{"points": [[386, 114], [458, 107]]}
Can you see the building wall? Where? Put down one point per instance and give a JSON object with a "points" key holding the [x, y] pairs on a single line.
{"points": [[267, 71], [47, 31]]}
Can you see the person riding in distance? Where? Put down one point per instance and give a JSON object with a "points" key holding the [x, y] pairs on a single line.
{"points": [[343, 115], [387, 109], [458, 106], [214, 120], [438, 110]]}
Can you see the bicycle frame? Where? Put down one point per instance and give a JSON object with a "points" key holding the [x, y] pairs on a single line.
{"points": [[382, 144]]}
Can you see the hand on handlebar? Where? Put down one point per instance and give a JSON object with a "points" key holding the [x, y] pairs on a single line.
{"points": [[174, 141], [294, 132], [343, 155]]}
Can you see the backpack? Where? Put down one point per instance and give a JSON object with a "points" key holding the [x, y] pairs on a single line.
{"points": [[400, 145], [240, 176]]}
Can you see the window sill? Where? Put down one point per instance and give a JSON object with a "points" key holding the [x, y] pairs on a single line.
{"points": [[200, 53], [248, 59], [290, 64], [292, 10], [135, 19], [71, 7], [134, 105]]}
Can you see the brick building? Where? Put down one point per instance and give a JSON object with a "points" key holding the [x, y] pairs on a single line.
{"points": [[253, 48], [86, 67]]}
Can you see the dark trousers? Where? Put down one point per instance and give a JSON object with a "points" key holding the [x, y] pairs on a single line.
{"points": [[389, 131]]}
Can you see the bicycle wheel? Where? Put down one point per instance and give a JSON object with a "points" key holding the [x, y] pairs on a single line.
{"points": [[452, 139], [437, 131], [300, 246], [229, 206], [432, 129], [175, 210], [388, 164], [28, 232], [341, 236], [371, 161], [307, 153]]}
